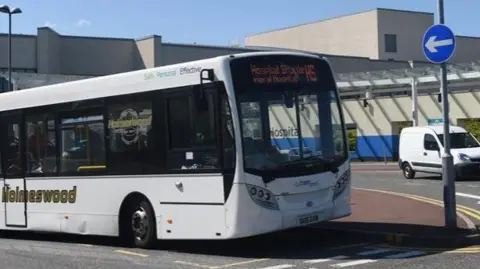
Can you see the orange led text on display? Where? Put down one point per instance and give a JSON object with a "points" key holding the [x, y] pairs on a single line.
{"points": [[282, 73]]}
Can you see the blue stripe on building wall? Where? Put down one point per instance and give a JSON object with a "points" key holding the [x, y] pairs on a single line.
{"points": [[376, 148], [369, 148]]}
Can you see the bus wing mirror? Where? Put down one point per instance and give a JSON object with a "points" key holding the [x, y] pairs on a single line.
{"points": [[201, 103], [206, 74], [199, 93]]}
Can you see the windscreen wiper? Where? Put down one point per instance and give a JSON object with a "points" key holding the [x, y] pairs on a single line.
{"points": [[307, 160]]}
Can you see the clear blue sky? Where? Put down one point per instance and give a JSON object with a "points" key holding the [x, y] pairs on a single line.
{"points": [[216, 22]]}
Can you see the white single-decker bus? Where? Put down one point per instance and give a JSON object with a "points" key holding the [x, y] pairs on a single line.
{"points": [[220, 148]]}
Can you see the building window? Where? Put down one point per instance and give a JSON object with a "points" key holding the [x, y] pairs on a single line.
{"points": [[390, 43]]}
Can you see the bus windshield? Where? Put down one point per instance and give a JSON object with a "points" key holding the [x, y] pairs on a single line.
{"points": [[289, 128]]}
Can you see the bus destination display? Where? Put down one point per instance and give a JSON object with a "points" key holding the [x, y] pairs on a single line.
{"points": [[283, 73]]}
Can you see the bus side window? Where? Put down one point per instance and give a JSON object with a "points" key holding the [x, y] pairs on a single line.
{"points": [[83, 147], [41, 144], [130, 138], [228, 134], [11, 146], [191, 134]]}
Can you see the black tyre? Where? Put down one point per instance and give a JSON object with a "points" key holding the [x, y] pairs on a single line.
{"points": [[408, 172], [138, 227]]}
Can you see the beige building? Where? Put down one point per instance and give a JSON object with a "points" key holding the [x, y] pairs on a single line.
{"points": [[49, 52], [376, 34]]}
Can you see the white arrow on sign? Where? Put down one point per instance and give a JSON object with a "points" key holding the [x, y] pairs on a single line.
{"points": [[432, 44]]}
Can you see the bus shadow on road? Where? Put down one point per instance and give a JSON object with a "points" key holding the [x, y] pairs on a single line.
{"points": [[298, 239], [308, 243], [299, 243]]}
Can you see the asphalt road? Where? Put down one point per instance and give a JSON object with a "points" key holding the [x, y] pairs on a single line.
{"points": [[390, 178], [281, 251], [299, 249]]}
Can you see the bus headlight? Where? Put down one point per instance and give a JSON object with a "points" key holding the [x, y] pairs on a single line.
{"points": [[341, 184], [262, 197]]}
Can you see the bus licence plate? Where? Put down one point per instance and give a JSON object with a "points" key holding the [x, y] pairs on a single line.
{"points": [[308, 219]]}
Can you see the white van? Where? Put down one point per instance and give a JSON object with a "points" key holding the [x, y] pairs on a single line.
{"points": [[421, 148]]}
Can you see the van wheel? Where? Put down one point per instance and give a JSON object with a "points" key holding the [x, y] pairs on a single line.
{"points": [[408, 172], [138, 223]]}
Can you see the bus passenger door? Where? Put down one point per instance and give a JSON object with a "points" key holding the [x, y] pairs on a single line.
{"points": [[14, 194]]}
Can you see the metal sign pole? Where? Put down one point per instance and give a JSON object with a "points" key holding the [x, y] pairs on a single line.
{"points": [[448, 176]]}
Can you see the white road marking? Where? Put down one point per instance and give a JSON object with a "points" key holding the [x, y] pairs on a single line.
{"points": [[374, 171], [281, 266], [413, 184], [373, 252], [352, 263], [468, 195], [405, 255], [325, 260], [473, 186]]}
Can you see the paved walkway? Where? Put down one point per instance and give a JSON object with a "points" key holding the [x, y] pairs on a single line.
{"points": [[381, 212]]}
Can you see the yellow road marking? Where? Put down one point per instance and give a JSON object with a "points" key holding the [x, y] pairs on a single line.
{"points": [[464, 250], [465, 210], [471, 249], [238, 263], [434, 202], [131, 253], [220, 266]]}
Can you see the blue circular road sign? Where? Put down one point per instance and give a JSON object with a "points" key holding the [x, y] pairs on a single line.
{"points": [[438, 43]]}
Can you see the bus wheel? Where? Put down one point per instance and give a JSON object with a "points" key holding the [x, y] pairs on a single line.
{"points": [[141, 229]]}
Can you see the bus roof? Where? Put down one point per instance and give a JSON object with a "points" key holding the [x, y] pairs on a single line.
{"points": [[144, 80]]}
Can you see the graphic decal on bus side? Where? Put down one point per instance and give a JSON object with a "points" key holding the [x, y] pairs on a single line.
{"points": [[130, 125], [157, 74], [17, 195]]}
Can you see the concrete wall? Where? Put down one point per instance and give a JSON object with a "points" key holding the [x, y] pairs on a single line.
{"points": [[354, 35], [409, 28], [363, 34], [89, 56], [73, 55], [177, 53], [467, 49], [378, 124], [51, 53], [23, 51]]}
